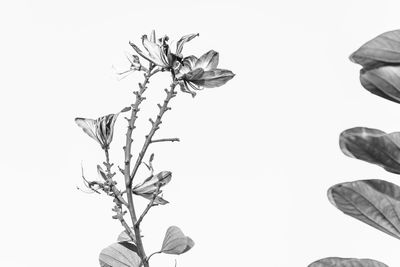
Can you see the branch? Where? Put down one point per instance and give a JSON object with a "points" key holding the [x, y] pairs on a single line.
{"points": [[155, 126], [128, 156], [116, 192], [151, 204], [165, 140]]}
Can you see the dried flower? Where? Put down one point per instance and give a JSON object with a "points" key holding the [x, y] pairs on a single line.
{"points": [[152, 186], [100, 130], [199, 73], [159, 52]]}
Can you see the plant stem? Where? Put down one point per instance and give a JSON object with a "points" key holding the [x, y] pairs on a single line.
{"points": [[128, 156], [165, 140], [155, 126], [117, 193], [118, 196], [149, 205]]}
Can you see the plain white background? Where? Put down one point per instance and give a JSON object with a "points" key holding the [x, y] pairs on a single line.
{"points": [[257, 155]]}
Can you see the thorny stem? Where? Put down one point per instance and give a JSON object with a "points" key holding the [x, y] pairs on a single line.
{"points": [[117, 195], [128, 156], [110, 175], [155, 126]]}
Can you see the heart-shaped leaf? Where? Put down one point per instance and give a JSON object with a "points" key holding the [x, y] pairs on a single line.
{"points": [[175, 242], [374, 202], [384, 48], [373, 146], [342, 262], [121, 254]]}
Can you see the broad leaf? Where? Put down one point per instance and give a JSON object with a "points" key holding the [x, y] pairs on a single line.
{"points": [[383, 81], [384, 48], [175, 242], [373, 146], [121, 254], [374, 202], [343, 262], [124, 236], [380, 59]]}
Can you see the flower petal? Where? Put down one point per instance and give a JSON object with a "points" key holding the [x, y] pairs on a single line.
{"points": [[155, 52], [182, 41], [184, 88], [214, 78], [208, 61], [188, 64], [137, 49], [193, 75], [88, 126]]}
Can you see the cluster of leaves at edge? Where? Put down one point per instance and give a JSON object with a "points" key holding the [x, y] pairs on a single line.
{"points": [[188, 73], [374, 202]]}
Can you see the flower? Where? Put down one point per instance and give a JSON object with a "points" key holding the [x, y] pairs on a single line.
{"points": [[158, 51], [199, 73], [152, 186], [100, 130]]}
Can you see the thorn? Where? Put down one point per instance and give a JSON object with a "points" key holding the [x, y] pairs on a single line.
{"points": [[151, 121], [159, 106]]}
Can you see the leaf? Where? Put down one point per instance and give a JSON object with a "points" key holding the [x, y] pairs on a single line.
{"points": [[175, 242], [383, 81], [124, 236], [373, 146], [150, 185], [343, 262], [384, 48], [214, 78], [121, 254], [374, 202]]}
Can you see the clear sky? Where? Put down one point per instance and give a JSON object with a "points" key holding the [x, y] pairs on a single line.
{"points": [[256, 156]]}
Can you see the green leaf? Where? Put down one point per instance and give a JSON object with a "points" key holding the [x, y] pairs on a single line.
{"points": [[373, 146], [121, 254], [384, 48], [374, 202], [343, 262], [175, 242]]}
